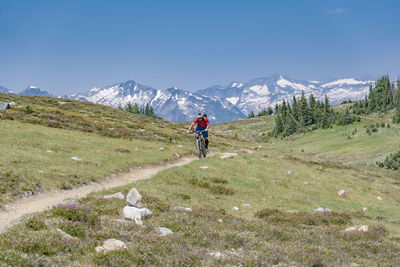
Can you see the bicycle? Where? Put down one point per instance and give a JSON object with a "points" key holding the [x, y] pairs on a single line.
{"points": [[200, 143]]}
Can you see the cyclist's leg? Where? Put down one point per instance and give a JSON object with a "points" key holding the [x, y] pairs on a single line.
{"points": [[205, 135]]}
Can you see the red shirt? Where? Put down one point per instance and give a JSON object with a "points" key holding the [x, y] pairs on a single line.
{"points": [[203, 123]]}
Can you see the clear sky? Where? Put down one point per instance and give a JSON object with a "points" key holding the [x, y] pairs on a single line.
{"points": [[73, 45]]}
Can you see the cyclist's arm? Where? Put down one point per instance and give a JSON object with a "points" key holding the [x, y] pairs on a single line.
{"points": [[191, 126], [208, 124]]}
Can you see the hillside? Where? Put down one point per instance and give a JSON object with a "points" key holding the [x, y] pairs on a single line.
{"points": [[259, 207]]}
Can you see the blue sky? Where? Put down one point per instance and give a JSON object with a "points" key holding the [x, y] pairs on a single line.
{"points": [[71, 46]]}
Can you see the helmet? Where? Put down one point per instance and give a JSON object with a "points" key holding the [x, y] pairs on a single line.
{"points": [[200, 115]]}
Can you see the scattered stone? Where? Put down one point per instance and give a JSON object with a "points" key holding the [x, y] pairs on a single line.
{"points": [[246, 205], [177, 155], [141, 130], [289, 172], [100, 249], [228, 155], [118, 195], [164, 231], [182, 208], [292, 211], [66, 236], [364, 209], [254, 179], [276, 181], [111, 129], [76, 158], [180, 145], [281, 157], [379, 198], [62, 103], [50, 151], [235, 208], [161, 149], [220, 221], [133, 213], [113, 244], [363, 228], [12, 103], [320, 209], [20, 106], [203, 167], [306, 182], [350, 229], [134, 198], [262, 159], [341, 193], [218, 254]]}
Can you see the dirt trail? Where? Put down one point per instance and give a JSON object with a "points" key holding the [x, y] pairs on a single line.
{"points": [[16, 210]]}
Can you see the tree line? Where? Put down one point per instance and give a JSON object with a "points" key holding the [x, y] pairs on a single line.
{"points": [[146, 110], [381, 98]]}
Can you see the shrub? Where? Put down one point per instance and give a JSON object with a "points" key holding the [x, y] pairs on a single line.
{"points": [[76, 229], [76, 213], [28, 110], [35, 223], [221, 190]]}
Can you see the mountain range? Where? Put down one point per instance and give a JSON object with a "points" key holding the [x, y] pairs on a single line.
{"points": [[221, 103]]}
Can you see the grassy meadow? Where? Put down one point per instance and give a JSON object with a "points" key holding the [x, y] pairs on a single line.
{"points": [[255, 209]]}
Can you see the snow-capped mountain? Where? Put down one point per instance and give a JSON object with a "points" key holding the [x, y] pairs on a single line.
{"points": [[4, 90], [171, 104], [34, 91], [225, 103], [260, 93]]}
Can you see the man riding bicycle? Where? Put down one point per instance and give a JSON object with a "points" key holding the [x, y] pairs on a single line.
{"points": [[202, 125]]}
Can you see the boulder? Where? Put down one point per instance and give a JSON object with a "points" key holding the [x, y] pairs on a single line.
{"points": [[235, 208], [350, 229], [364, 209], [363, 228], [135, 213], [113, 244], [203, 167], [161, 149], [118, 195], [164, 231], [76, 158], [341, 193], [228, 155], [320, 209], [66, 236], [134, 198], [379, 198]]}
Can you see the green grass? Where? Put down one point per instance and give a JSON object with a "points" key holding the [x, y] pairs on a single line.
{"points": [[29, 167]]}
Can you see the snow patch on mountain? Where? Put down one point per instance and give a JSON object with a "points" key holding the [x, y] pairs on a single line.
{"points": [[34, 91]]}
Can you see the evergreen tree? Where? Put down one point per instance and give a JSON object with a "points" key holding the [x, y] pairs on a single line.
{"points": [[251, 115], [135, 109], [396, 118], [128, 107], [270, 111]]}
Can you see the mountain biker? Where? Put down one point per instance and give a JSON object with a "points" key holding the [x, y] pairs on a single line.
{"points": [[202, 125]]}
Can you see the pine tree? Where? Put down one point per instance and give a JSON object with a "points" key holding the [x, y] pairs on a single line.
{"points": [[251, 115], [128, 107], [135, 109], [396, 118], [270, 111]]}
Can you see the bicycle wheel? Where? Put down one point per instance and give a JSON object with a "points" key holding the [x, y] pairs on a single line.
{"points": [[204, 150], [199, 147]]}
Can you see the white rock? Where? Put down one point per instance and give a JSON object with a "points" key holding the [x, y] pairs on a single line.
{"points": [[142, 130], [203, 167], [363, 228], [379, 198], [161, 149], [262, 159], [220, 221], [100, 249], [289, 172], [228, 155], [12, 103], [235, 208], [254, 179], [133, 213], [177, 155], [320, 209], [41, 171], [66, 236], [164, 231], [113, 244], [182, 208], [276, 181], [62, 103], [76, 158], [246, 205], [118, 195], [50, 151], [341, 193], [138, 221], [218, 255], [364, 209], [180, 145], [350, 229], [134, 198], [306, 182]]}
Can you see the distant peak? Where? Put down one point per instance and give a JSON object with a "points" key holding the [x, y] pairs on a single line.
{"points": [[32, 87]]}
